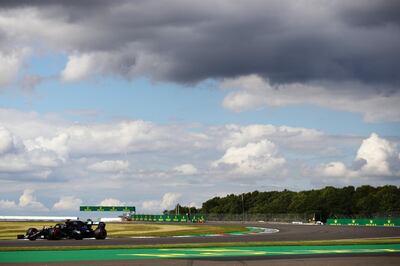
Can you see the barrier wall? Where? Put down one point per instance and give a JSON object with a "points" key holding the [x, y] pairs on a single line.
{"points": [[37, 218], [195, 218], [365, 222]]}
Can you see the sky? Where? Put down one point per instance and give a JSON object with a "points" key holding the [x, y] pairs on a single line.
{"points": [[154, 103]]}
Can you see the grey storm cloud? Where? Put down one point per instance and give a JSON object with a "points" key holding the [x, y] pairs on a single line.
{"points": [[190, 41]]}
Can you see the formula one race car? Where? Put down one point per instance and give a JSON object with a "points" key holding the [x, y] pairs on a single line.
{"points": [[68, 230]]}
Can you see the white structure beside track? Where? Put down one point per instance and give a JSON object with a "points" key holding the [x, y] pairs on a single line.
{"points": [[37, 218]]}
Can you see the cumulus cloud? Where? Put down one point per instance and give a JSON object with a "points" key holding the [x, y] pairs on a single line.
{"points": [[37, 157], [30, 125], [57, 144], [186, 169], [38, 146], [378, 154], [168, 201], [336, 169], [8, 141], [7, 204], [67, 203], [44, 147], [28, 200], [376, 157], [112, 202], [151, 205], [56, 149], [253, 159], [27, 203], [78, 67], [236, 135], [253, 91], [61, 137], [86, 65], [50, 153], [125, 136], [109, 166]]}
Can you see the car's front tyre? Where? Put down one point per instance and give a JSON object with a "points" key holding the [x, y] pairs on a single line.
{"points": [[31, 233]]}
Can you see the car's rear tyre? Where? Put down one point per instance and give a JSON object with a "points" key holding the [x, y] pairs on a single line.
{"points": [[100, 233]]}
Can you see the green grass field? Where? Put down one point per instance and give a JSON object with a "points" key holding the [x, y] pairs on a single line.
{"points": [[10, 230]]}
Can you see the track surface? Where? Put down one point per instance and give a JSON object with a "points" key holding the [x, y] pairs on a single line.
{"points": [[336, 260], [187, 253], [287, 232]]}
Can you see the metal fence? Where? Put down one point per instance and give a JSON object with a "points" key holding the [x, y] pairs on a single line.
{"points": [[256, 217], [267, 217], [291, 217], [393, 214], [195, 218]]}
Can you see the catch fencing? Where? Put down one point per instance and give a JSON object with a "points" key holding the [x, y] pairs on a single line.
{"points": [[267, 217]]}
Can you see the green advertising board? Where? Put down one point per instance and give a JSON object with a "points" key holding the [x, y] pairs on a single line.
{"points": [[107, 208], [365, 222], [168, 218], [198, 218]]}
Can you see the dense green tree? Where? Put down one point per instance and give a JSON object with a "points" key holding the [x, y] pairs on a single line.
{"points": [[388, 198], [298, 204], [323, 203]]}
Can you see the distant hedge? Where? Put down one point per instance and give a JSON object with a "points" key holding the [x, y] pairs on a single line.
{"points": [[363, 201]]}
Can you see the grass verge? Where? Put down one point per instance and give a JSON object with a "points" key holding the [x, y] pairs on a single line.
{"points": [[226, 244], [10, 230]]}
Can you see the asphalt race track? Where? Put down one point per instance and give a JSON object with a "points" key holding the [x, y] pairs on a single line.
{"points": [[287, 232]]}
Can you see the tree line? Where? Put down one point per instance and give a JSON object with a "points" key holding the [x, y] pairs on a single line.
{"points": [[365, 201]]}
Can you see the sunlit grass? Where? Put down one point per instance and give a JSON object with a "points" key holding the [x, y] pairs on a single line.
{"points": [[9, 230]]}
